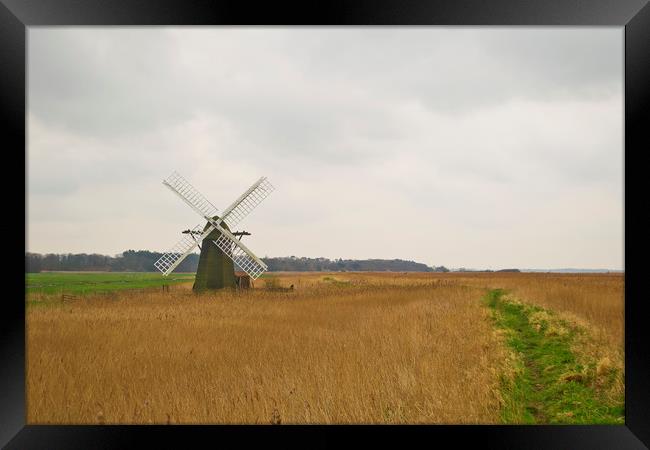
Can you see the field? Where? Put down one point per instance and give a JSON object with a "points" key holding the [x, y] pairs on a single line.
{"points": [[337, 348], [76, 283]]}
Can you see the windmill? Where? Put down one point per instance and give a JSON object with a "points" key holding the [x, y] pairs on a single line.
{"points": [[222, 249]]}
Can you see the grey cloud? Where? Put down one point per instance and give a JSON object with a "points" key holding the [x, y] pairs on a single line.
{"points": [[467, 137], [455, 70], [79, 82], [449, 70]]}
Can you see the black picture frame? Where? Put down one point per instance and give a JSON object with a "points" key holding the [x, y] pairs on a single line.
{"points": [[634, 15]]}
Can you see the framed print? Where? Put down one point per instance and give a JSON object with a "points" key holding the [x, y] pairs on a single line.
{"points": [[417, 221]]}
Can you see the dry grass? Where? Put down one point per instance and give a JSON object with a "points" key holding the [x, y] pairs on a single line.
{"points": [[339, 348], [596, 299], [350, 349]]}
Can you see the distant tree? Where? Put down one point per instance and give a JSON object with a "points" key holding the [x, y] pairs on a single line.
{"points": [[33, 262], [51, 262]]}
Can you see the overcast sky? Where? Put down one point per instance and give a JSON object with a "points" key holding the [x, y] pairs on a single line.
{"points": [[475, 147]]}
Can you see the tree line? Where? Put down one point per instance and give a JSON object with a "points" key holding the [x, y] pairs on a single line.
{"points": [[128, 261], [143, 261], [295, 264]]}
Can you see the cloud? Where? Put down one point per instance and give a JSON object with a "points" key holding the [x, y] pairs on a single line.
{"points": [[457, 146]]}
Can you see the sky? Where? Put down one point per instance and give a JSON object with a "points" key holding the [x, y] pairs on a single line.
{"points": [[478, 147]]}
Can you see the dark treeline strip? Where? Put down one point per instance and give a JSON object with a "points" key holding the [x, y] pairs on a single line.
{"points": [[128, 261], [143, 260], [294, 264]]}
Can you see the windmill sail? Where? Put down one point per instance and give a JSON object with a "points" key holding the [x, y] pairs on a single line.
{"points": [[234, 250], [190, 195], [171, 259], [248, 201]]}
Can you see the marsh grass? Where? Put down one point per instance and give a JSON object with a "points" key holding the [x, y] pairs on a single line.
{"points": [[366, 351], [338, 348]]}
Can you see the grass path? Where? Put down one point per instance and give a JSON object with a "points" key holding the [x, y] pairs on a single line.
{"points": [[547, 383]]}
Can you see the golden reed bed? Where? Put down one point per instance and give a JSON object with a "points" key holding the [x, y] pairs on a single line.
{"points": [[339, 348]]}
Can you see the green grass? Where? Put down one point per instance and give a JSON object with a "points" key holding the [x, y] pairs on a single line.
{"points": [[336, 282], [549, 385], [79, 283]]}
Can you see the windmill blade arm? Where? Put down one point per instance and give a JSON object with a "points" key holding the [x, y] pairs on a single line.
{"points": [[248, 201], [248, 264], [171, 259], [240, 254], [190, 195]]}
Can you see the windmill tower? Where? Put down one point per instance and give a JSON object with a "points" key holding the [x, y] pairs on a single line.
{"points": [[222, 248]]}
